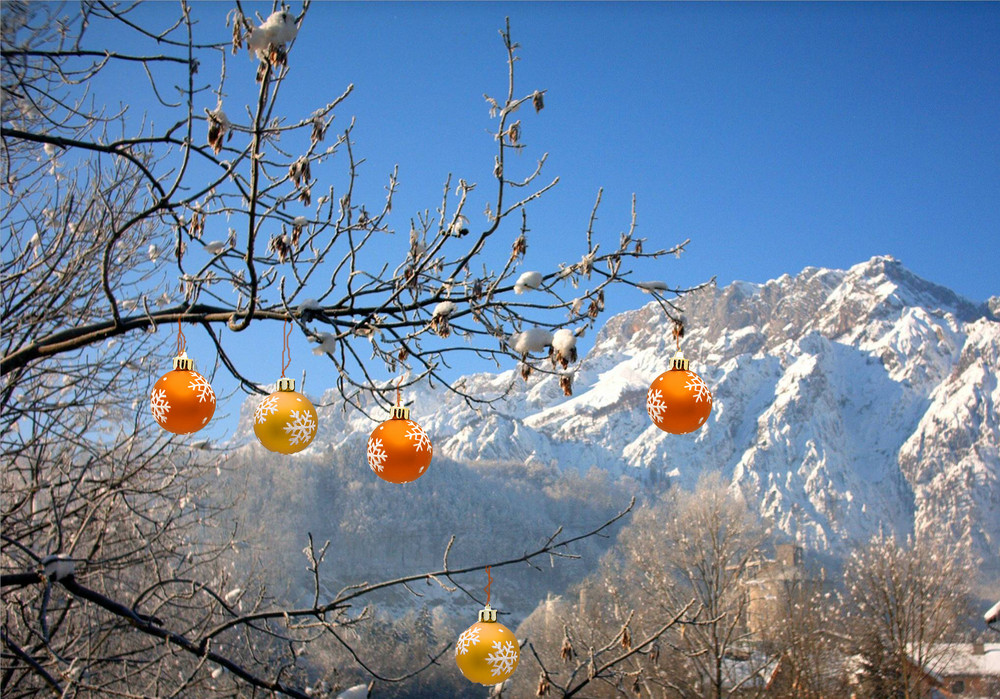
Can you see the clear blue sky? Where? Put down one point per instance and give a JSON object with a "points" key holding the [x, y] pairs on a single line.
{"points": [[774, 135]]}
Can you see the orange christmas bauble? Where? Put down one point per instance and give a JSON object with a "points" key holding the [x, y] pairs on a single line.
{"points": [[487, 652], [285, 421], [678, 401], [182, 400], [399, 451]]}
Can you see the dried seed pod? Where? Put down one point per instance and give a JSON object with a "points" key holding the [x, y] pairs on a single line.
{"points": [[299, 171], [525, 371], [626, 639], [566, 384], [538, 101], [280, 247], [679, 328], [593, 310], [277, 56], [218, 126], [614, 264], [411, 278], [520, 247], [514, 133], [197, 224], [543, 685], [318, 129], [238, 20], [564, 357], [494, 107], [440, 325], [566, 652]]}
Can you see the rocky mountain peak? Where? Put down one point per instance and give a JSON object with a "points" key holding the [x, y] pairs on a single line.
{"points": [[845, 402]]}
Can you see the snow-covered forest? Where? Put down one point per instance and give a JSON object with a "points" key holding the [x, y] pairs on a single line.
{"points": [[208, 212]]}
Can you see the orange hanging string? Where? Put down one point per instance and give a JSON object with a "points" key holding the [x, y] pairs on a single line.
{"points": [[488, 585], [286, 351], [398, 395], [181, 340]]}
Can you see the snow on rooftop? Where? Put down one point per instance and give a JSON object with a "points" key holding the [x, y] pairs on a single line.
{"points": [[961, 659], [992, 614]]}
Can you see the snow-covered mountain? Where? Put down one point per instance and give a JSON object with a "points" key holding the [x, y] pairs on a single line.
{"points": [[845, 402]]}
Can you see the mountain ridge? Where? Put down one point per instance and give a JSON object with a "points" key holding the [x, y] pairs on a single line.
{"points": [[846, 401]]}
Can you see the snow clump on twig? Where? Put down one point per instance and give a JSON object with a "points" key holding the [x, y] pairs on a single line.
{"points": [[532, 340], [528, 280]]}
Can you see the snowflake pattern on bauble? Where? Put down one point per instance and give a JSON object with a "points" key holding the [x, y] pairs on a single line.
{"points": [[158, 402], [469, 637], [654, 404], [376, 455], [502, 658], [301, 428], [418, 437], [698, 387], [268, 406], [202, 387]]}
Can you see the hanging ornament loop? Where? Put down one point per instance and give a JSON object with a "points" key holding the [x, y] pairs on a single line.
{"points": [[182, 361], [398, 411], [286, 351], [678, 331], [181, 340], [678, 361], [488, 613]]}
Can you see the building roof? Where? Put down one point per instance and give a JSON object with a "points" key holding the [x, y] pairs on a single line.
{"points": [[960, 660]]}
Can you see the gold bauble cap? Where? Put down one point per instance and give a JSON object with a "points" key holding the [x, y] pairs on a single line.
{"points": [[399, 412], [487, 613], [183, 361], [679, 362]]}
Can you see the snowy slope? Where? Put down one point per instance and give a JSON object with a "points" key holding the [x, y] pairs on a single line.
{"points": [[845, 402]]}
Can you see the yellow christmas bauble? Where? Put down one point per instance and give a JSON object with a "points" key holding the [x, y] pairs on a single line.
{"points": [[285, 421], [487, 652]]}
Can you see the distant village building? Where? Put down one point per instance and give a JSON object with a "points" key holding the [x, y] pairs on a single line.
{"points": [[970, 671], [769, 584]]}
